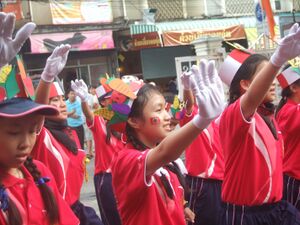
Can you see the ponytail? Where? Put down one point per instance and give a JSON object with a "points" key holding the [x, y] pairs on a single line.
{"points": [[14, 216], [7, 205], [281, 103], [47, 194], [174, 168]]}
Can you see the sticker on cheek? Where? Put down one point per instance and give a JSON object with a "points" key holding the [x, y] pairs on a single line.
{"points": [[154, 120]]}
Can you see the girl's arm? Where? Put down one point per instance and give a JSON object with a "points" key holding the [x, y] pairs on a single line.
{"points": [[188, 96], [89, 115], [171, 147], [54, 65], [288, 48], [258, 89], [208, 90], [81, 90]]}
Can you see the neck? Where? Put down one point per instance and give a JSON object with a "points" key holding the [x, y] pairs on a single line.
{"points": [[149, 143], [16, 172], [295, 98]]}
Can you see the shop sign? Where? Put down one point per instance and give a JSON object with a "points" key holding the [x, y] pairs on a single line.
{"points": [[79, 41], [173, 38]]}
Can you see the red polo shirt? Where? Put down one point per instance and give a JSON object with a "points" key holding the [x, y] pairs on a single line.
{"points": [[28, 199]]}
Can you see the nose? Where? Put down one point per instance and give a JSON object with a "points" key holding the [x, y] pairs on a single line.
{"points": [[26, 142], [62, 103], [167, 115]]}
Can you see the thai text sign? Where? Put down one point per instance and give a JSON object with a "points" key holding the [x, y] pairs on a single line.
{"points": [[172, 38]]}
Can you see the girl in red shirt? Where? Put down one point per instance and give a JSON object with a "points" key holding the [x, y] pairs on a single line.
{"points": [[287, 116], [252, 185], [28, 193], [147, 191]]}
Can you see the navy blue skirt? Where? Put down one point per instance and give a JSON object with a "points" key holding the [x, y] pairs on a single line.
{"points": [[86, 214], [106, 199], [291, 191], [280, 213], [204, 197]]}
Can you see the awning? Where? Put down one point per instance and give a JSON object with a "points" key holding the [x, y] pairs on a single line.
{"points": [[192, 25], [80, 41], [248, 22]]}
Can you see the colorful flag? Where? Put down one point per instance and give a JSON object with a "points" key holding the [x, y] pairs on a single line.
{"points": [[266, 6]]}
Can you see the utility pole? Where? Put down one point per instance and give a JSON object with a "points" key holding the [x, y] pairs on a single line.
{"points": [[294, 12]]}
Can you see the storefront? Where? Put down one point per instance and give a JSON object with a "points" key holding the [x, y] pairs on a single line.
{"points": [[92, 55]]}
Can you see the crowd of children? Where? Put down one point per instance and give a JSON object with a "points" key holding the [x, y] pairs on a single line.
{"points": [[241, 164]]}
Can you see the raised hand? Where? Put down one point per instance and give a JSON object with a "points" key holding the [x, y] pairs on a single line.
{"points": [[10, 47], [288, 47], [186, 80], [80, 89], [208, 91], [55, 63]]}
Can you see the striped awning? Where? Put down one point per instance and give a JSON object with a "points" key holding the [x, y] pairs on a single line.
{"points": [[248, 22]]}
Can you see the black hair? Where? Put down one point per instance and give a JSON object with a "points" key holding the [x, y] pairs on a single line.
{"points": [[59, 131], [143, 96], [14, 216], [285, 93], [245, 72]]}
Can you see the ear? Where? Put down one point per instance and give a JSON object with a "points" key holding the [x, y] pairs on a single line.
{"points": [[134, 123], [244, 84], [294, 88]]}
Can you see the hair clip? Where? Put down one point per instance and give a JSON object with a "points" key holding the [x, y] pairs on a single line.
{"points": [[3, 199], [42, 180]]}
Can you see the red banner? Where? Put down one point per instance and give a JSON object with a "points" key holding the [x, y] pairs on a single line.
{"points": [[80, 41], [173, 38], [13, 6]]}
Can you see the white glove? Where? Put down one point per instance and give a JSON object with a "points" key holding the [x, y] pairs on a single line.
{"points": [[55, 63], [80, 89], [288, 47], [208, 90], [10, 47], [186, 80]]}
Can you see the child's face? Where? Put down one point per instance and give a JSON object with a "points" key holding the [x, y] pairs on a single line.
{"points": [[105, 102], [60, 104], [72, 96], [17, 138], [156, 123]]}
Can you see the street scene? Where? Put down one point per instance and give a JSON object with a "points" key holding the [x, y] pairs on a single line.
{"points": [[149, 112]]}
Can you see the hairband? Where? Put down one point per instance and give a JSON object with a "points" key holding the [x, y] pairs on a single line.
{"points": [[3, 199], [42, 180]]}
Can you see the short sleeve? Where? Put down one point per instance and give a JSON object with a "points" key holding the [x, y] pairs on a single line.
{"points": [[128, 172], [233, 126], [289, 118]]}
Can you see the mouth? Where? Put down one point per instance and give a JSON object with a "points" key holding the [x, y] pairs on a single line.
{"points": [[64, 112], [168, 127], [21, 157]]}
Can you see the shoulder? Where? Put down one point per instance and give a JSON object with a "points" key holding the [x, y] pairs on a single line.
{"points": [[127, 158]]}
